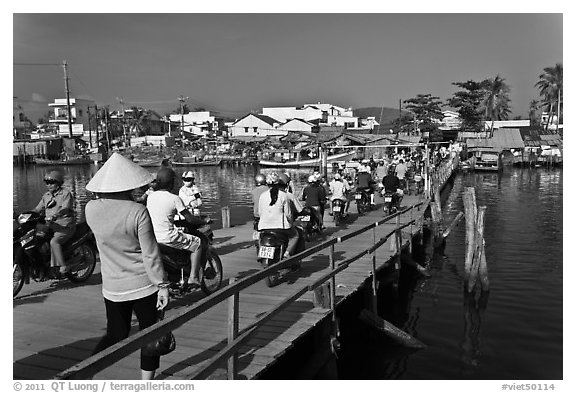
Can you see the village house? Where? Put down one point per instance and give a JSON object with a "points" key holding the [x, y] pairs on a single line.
{"points": [[253, 125], [299, 125], [80, 116], [200, 123]]}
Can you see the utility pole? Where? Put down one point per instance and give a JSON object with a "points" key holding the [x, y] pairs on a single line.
{"points": [[182, 100], [89, 127], [97, 122], [69, 111], [126, 141]]}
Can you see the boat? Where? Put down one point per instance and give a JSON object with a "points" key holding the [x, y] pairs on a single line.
{"points": [[197, 163], [69, 161], [307, 163], [148, 163], [487, 162]]}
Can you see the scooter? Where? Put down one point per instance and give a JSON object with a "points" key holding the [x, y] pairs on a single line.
{"points": [[271, 250], [31, 251], [338, 211], [391, 202], [362, 200], [177, 262], [308, 222]]}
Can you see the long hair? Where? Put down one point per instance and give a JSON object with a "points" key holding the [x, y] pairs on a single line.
{"points": [[274, 190]]}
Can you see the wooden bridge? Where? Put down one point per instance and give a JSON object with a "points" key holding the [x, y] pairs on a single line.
{"points": [[239, 332]]}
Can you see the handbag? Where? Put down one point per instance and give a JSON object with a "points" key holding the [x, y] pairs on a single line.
{"points": [[162, 345]]}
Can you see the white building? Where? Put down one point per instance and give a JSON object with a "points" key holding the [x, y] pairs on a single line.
{"points": [[298, 125], [255, 126], [451, 120], [283, 114], [197, 123], [505, 123], [336, 115], [79, 109]]}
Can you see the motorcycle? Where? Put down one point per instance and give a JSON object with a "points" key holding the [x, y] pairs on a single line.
{"points": [[337, 210], [177, 262], [391, 202], [31, 251], [308, 222], [362, 200], [271, 250]]}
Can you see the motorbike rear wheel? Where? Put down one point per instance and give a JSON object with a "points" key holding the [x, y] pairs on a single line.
{"points": [[212, 273], [17, 278], [337, 218], [83, 269]]}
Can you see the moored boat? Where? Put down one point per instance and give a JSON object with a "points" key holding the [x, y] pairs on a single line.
{"points": [[69, 161], [197, 163], [307, 163]]}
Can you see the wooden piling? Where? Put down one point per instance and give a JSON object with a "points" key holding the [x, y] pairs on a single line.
{"points": [[452, 225], [470, 212], [477, 247], [233, 323], [225, 217]]}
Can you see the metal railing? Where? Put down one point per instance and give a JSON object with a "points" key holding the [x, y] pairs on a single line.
{"points": [[98, 362]]}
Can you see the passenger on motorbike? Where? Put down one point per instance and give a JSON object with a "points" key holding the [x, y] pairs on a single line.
{"points": [[190, 193], [365, 182], [163, 206], [277, 212], [339, 189], [57, 205]]}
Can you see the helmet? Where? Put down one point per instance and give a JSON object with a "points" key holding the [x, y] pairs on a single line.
{"points": [[284, 178], [260, 179], [311, 179], [165, 178], [337, 176], [188, 175], [272, 178], [365, 161], [54, 175]]}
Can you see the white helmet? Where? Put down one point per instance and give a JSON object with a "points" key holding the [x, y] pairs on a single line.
{"points": [[311, 179], [188, 175]]}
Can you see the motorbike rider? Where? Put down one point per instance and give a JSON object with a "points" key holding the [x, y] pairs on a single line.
{"points": [[365, 182], [163, 205], [392, 185], [57, 205], [401, 170], [314, 196], [339, 190], [190, 193], [278, 213], [261, 187]]}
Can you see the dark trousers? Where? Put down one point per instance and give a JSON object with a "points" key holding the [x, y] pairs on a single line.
{"points": [[119, 316]]}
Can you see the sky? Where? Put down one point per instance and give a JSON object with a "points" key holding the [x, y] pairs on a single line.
{"points": [[237, 63]]}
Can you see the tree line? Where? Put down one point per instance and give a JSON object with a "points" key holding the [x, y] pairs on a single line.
{"points": [[480, 101]]}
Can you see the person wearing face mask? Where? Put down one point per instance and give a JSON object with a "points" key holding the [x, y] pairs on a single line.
{"points": [[57, 205], [190, 193]]}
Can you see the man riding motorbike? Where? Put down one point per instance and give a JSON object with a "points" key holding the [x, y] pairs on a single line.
{"points": [[392, 186], [163, 205], [57, 205], [339, 189], [365, 182]]}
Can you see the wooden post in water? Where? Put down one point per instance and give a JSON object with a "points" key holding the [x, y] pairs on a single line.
{"points": [[225, 217], [233, 318], [478, 248], [436, 210], [470, 213]]}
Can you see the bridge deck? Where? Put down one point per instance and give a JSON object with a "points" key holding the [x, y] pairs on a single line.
{"points": [[56, 325]]}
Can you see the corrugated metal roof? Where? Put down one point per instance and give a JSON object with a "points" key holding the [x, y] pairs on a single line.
{"points": [[479, 143], [508, 138]]}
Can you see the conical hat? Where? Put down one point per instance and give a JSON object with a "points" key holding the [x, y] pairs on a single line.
{"points": [[119, 174]]}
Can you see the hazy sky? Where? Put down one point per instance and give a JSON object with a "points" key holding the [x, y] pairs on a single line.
{"points": [[241, 62]]}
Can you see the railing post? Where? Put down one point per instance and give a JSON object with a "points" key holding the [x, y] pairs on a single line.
{"points": [[333, 292], [233, 317], [374, 283]]}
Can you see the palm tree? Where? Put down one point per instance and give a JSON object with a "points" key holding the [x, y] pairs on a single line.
{"points": [[550, 85], [534, 106], [496, 101]]}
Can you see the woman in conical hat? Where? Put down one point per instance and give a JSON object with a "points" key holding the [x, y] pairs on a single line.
{"points": [[133, 278]]}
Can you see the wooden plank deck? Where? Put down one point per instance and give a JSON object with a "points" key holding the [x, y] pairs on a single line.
{"points": [[56, 325]]}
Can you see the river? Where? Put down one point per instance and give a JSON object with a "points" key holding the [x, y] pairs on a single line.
{"points": [[514, 332]]}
